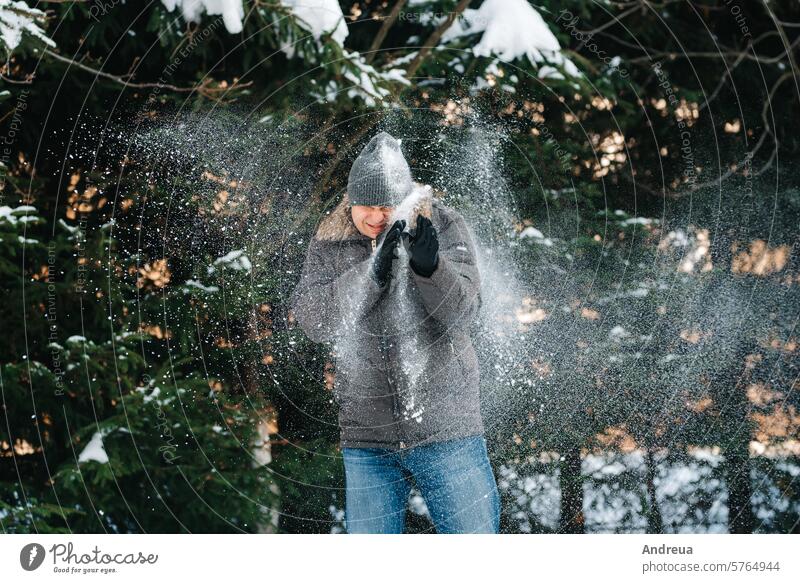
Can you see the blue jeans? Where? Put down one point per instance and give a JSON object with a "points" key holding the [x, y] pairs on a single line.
{"points": [[454, 477]]}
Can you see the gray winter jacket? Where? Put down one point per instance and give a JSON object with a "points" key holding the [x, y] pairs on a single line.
{"points": [[406, 369]]}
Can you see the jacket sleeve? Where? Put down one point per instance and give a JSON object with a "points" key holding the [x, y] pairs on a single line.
{"points": [[452, 294], [324, 302]]}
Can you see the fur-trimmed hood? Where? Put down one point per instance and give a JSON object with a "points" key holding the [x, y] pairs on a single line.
{"points": [[339, 225]]}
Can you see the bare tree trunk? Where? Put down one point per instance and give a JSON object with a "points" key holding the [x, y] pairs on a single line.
{"points": [[261, 447], [655, 522], [262, 456], [387, 24], [571, 482], [735, 415], [740, 491], [728, 376]]}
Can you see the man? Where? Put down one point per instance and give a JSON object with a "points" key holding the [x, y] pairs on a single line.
{"points": [[406, 371]]}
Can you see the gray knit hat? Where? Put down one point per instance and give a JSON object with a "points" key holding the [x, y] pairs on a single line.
{"points": [[380, 176]]}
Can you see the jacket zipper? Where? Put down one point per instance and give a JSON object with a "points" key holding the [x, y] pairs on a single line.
{"points": [[395, 411], [395, 396], [402, 444]]}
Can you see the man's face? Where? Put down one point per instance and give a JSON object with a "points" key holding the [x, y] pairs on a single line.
{"points": [[371, 220]]}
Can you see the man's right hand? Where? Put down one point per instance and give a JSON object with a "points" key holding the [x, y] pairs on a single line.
{"points": [[382, 266]]}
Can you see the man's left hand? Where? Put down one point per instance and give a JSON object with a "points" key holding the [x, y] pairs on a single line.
{"points": [[423, 248]]}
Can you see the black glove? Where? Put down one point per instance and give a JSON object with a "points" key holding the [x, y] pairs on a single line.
{"points": [[423, 248], [382, 265]]}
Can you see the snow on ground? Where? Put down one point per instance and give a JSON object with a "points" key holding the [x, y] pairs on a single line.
{"points": [[416, 504], [692, 496], [536, 495], [337, 516]]}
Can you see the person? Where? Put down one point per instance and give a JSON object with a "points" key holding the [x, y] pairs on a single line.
{"points": [[407, 374]]}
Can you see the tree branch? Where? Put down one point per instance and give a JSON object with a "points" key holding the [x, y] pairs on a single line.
{"points": [[388, 22], [203, 88], [434, 38]]}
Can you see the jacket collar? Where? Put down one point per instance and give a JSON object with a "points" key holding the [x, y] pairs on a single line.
{"points": [[339, 225]]}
